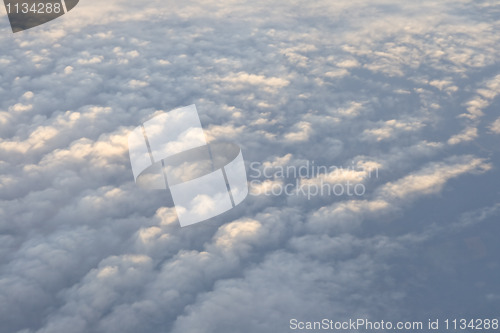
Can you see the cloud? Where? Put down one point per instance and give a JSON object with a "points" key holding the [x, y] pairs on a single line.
{"points": [[392, 196], [469, 134], [495, 127], [390, 129], [431, 179], [382, 85], [485, 95], [303, 132]]}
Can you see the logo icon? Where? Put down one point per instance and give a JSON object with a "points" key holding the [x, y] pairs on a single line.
{"points": [[26, 14], [205, 179]]}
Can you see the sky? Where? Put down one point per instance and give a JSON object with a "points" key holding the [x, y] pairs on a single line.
{"points": [[402, 97]]}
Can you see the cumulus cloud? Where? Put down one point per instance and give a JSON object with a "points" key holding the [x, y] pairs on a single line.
{"points": [[469, 134], [390, 129], [362, 88], [495, 127]]}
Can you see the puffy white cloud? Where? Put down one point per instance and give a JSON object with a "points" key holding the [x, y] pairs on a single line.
{"points": [[390, 129], [431, 179], [302, 134], [469, 134], [364, 86], [495, 127]]}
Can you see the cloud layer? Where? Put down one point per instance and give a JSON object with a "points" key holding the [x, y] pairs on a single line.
{"points": [[407, 89]]}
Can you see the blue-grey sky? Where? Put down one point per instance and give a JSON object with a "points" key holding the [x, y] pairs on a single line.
{"points": [[411, 89]]}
